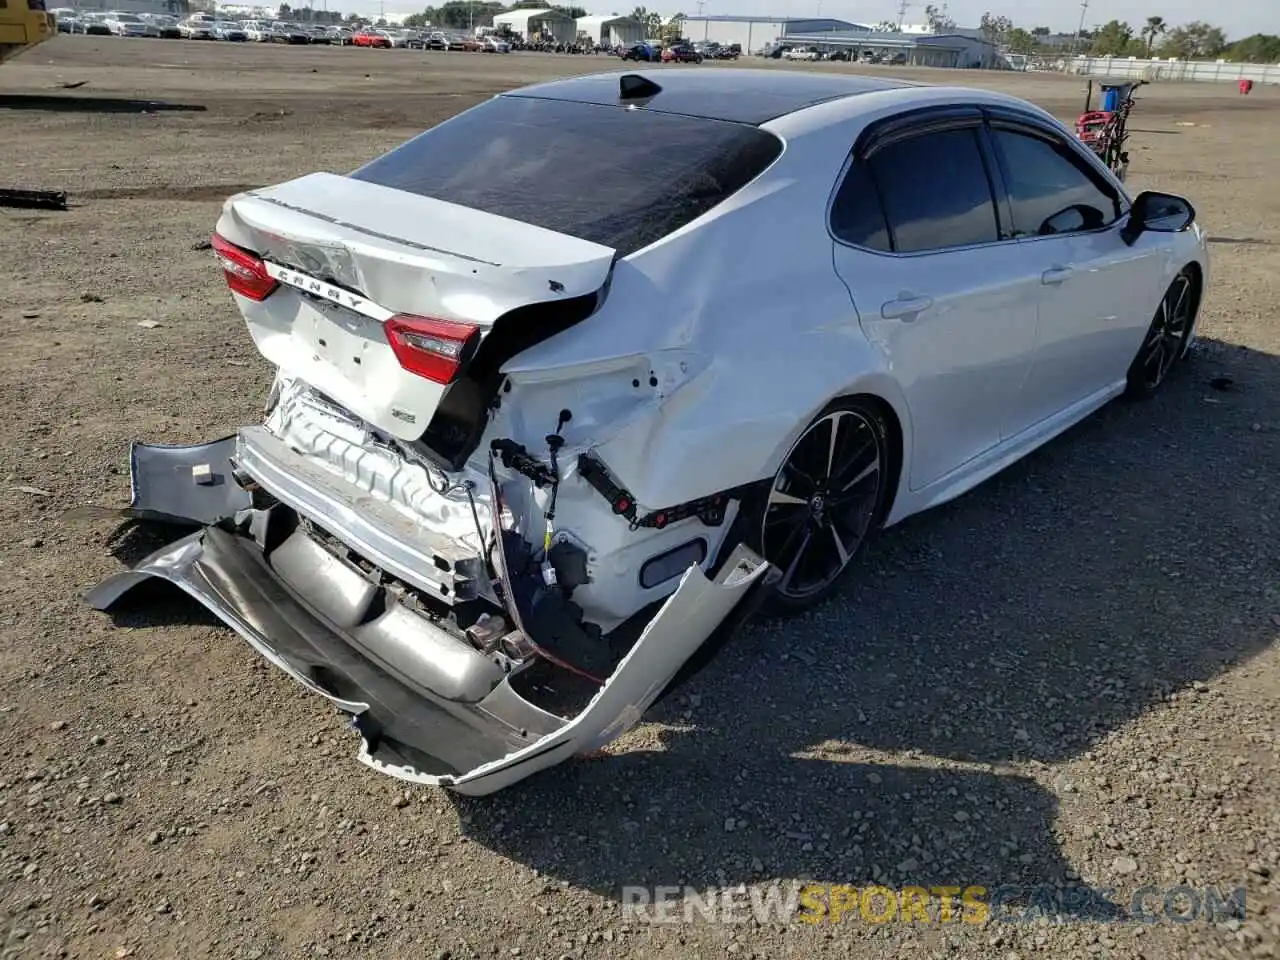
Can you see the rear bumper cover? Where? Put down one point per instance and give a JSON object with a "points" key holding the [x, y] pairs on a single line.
{"points": [[428, 707]]}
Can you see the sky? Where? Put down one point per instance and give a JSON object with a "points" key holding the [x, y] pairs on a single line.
{"points": [[1239, 18]]}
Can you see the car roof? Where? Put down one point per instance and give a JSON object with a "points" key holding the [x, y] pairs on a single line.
{"points": [[737, 95]]}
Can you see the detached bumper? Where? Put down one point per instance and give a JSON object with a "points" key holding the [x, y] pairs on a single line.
{"points": [[429, 707], [426, 704]]}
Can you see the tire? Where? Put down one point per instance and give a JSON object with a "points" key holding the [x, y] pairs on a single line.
{"points": [[825, 502], [1166, 339]]}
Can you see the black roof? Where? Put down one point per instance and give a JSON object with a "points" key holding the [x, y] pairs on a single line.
{"points": [[715, 93]]}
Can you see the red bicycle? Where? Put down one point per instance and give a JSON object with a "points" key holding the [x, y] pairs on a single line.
{"points": [[1105, 131]]}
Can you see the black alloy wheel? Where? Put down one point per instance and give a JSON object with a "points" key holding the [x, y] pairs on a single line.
{"points": [[824, 501], [1167, 337]]}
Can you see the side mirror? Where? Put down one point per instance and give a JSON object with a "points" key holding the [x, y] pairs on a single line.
{"points": [[1157, 213]]}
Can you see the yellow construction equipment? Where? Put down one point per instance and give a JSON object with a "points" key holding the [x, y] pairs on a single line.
{"points": [[23, 24]]}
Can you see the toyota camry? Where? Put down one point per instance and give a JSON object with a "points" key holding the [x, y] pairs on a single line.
{"points": [[571, 383]]}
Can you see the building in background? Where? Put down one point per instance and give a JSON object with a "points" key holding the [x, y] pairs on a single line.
{"points": [[170, 7], [752, 33], [248, 12], [929, 50], [532, 23], [611, 31]]}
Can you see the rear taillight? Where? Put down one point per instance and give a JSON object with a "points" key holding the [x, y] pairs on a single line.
{"points": [[246, 273], [435, 349]]}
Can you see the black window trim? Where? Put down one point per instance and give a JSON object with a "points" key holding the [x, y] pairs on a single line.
{"points": [[933, 119], [907, 126], [1087, 162]]}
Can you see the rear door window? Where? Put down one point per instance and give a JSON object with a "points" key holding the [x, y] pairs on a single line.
{"points": [[936, 191], [857, 216], [615, 176]]}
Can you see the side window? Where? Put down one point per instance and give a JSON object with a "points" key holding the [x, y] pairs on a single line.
{"points": [[857, 216], [936, 191], [1050, 191]]}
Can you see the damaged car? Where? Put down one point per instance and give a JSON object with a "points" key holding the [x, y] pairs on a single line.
{"points": [[572, 383]]}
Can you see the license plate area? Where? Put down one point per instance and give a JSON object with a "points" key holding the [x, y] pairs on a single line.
{"points": [[353, 345]]}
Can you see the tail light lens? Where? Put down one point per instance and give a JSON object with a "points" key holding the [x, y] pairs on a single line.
{"points": [[435, 349], [246, 273]]}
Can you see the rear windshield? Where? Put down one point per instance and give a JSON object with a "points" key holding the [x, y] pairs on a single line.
{"points": [[621, 178]]}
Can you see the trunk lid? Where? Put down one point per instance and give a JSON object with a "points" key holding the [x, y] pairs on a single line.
{"points": [[350, 254]]}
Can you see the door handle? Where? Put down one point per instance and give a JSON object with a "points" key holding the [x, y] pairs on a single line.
{"points": [[905, 309], [1056, 275]]}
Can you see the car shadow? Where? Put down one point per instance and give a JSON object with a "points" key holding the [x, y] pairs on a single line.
{"points": [[1127, 560], [78, 104], [709, 808]]}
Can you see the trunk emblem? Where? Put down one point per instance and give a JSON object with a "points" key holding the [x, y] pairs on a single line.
{"points": [[327, 291]]}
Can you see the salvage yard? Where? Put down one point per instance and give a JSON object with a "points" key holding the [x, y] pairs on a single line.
{"points": [[1068, 677]]}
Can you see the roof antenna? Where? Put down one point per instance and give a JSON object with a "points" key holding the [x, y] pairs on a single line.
{"points": [[632, 86]]}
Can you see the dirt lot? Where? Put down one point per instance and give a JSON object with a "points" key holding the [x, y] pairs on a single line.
{"points": [[1067, 677]]}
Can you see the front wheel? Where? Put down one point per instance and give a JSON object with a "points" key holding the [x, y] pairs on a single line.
{"points": [[826, 499], [1167, 337]]}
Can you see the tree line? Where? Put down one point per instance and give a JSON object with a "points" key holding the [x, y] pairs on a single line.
{"points": [[1155, 38]]}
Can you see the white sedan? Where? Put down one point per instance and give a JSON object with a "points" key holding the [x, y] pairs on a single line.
{"points": [[130, 25], [543, 432]]}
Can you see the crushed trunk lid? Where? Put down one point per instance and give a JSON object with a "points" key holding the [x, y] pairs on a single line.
{"points": [[350, 254]]}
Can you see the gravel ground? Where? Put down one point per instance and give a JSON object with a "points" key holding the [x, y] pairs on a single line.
{"points": [[1068, 676]]}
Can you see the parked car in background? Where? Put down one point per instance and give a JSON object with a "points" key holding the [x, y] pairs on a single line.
{"points": [[166, 25], [340, 36], [284, 32], [437, 41], [229, 30], [67, 19], [95, 25], [681, 53], [259, 31], [129, 25], [369, 37], [196, 29], [495, 45], [642, 52], [800, 53]]}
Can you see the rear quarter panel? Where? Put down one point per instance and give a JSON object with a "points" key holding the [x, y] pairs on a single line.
{"points": [[750, 288]]}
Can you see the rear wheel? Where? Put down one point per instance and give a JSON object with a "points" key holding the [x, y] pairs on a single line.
{"points": [[1167, 337], [827, 497]]}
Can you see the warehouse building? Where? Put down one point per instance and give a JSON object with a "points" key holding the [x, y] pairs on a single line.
{"points": [[611, 31], [752, 33], [528, 24], [949, 50]]}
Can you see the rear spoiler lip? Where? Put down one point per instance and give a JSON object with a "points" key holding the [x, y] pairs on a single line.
{"points": [[413, 254], [368, 232]]}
